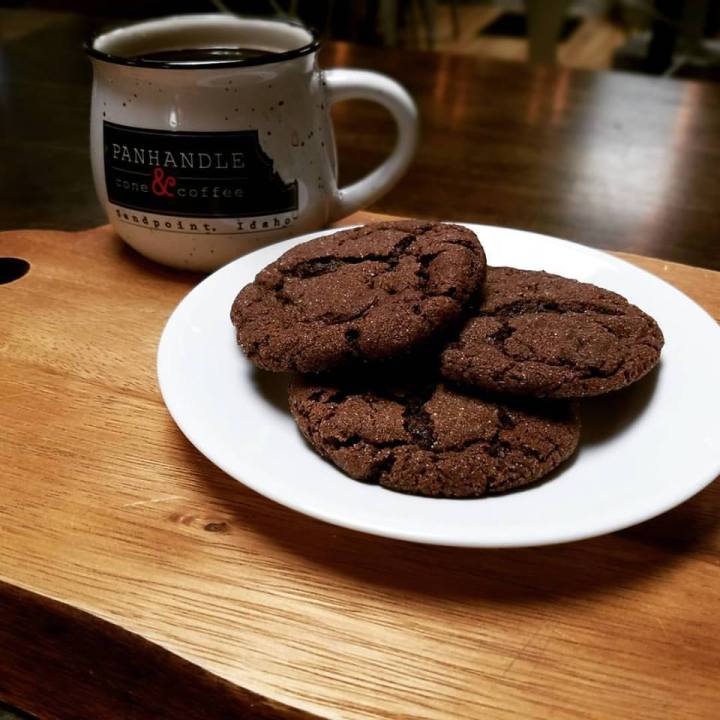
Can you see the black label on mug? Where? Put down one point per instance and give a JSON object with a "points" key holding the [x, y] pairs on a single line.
{"points": [[193, 174]]}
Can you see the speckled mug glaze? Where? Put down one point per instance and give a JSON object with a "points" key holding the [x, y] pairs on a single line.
{"points": [[263, 122]]}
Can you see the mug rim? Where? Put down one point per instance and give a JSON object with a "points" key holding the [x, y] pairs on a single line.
{"points": [[269, 59]]}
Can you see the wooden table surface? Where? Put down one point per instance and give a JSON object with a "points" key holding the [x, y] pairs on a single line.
{"points": [[138, 581], [613, 160]]}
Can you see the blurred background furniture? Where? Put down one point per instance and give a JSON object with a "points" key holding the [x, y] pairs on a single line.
{"points": [[671, 37], [544, 22]]}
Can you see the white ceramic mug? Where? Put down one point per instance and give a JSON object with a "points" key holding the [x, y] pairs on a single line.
{"points": [[197, 163]]}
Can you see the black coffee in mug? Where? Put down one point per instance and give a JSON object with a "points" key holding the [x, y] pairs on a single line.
{"points": [[211, 135], [201, 55]]}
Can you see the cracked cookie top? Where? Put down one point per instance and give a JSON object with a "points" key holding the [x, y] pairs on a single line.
{"points": [[549, 336], [420, 436], [366, 294]]}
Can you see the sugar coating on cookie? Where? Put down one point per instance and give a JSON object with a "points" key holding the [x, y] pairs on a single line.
{"points": [[548, 336], [366, 294], [420, 436]]}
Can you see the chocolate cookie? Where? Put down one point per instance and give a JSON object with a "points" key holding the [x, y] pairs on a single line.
{"points": [[425, 438], [549, 336], [365, 294]]}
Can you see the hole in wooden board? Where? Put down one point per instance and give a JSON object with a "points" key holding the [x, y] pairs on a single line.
{"points": [[12, 268]]}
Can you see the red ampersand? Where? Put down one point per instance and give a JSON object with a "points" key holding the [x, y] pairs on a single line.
{"points": [[160, 183]]}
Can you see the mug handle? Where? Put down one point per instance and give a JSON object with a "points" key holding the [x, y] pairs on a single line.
{"points": [[344, 84]]}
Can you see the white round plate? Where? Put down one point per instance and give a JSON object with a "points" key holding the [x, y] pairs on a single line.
{"points": [[643, 450]]}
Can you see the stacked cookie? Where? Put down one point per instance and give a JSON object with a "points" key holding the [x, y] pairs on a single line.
{"points": [[421, 369]]}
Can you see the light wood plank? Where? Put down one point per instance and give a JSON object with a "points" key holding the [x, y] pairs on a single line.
{"points": [[106, 507]]}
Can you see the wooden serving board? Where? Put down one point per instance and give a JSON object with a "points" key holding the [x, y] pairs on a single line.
{"points": [[138, 581]]}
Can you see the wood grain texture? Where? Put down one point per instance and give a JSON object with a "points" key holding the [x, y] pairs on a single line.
{"points": [[127, 538], [94, 669], [612, 160]]}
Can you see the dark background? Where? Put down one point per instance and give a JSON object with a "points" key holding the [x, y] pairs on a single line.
{"points": [[613, 160]]}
